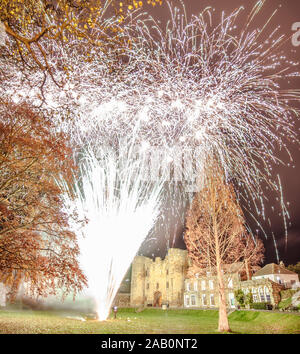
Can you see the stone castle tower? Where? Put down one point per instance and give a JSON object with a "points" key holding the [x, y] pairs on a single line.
{"points": [[157, 282]]}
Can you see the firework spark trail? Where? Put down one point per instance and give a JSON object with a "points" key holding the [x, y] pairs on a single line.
{"points": [[190, 87], [121, 208]]}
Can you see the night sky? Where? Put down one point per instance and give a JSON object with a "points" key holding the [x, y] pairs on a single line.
{"points": [[171, 233]]}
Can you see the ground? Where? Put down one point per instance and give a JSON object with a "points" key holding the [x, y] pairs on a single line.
{"points": [[148, 321]]}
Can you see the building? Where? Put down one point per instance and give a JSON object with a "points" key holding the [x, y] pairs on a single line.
{"points": [[159, 281], [278, 274], [202, 290], [165, 281], [2, 295]]}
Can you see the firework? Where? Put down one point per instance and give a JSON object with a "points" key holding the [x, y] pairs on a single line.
{"points": [[120, 208], [179, 95]]}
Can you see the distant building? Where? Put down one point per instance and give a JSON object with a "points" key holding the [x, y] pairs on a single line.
{"points": [[278, 274], [202, 290], [157, 282], [2, 295], [165, 281]]}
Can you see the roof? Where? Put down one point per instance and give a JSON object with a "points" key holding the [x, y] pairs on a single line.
{"points": [[228, 268], [273, 268]]}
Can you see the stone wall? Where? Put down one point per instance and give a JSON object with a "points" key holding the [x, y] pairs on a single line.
{"points": [[203, 290], [263, 290], [159, 281], [122, 300], [2, 295]]}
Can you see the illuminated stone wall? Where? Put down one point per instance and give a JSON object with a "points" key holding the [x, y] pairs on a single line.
{"points": [[160, 281]]}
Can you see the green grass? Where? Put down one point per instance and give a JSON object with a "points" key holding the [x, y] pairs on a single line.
{"points": [[148, 321]]}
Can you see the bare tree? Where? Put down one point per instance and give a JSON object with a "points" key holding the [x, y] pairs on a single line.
{"points": [[215, 233], [253, 254]]}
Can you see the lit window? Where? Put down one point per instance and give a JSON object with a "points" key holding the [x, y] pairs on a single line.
{"points": [[261, 294], [211, 284], [203, 285], [268, 297], [193, 300], [195, 286]]}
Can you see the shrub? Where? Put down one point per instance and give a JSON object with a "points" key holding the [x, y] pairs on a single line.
{"points": [[260, 306], [285, 304], [285, 294], [240, 297], [249, 299]]}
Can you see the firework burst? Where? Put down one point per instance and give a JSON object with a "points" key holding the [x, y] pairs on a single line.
{"points": [[187, 92]]}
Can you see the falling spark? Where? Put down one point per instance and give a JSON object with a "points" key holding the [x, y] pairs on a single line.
{"points": [[120, 208], [191, 89]]}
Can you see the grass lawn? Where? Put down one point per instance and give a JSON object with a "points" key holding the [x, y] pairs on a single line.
{"points": [[148, 321]]}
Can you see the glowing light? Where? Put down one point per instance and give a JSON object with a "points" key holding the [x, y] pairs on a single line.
{"points": [[120, 207], [189, 87]]}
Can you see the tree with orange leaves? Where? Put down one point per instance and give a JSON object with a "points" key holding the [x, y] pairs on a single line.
{"points": [[36, 244], [215, 234], [35, 27]]}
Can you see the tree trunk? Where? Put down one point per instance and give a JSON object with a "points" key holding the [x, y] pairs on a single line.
{"points": [[247, 270], [223, 318]]}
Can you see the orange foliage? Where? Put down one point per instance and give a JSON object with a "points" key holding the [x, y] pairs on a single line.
{"points": [[36, 244]]}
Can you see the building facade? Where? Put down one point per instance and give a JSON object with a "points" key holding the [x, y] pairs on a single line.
{"points": [[2, 295], [159, 281], [165, 281], [278, 274], [202, 291]]}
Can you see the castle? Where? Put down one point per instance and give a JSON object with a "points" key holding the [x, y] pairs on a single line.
{"points": [[160, 281], [165, 282]]}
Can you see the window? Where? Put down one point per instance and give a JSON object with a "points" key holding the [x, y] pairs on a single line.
{"points": [[147, 285], [193, 300], [167, 285], [187, 300], [267, 293], [157, 285], [167, 271], [204, 303], [255, 298], [231, 299], [211, 284], [262, 295], [188, 286], [203, 284], [230, 285], [195, 285], [212, 300]]}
